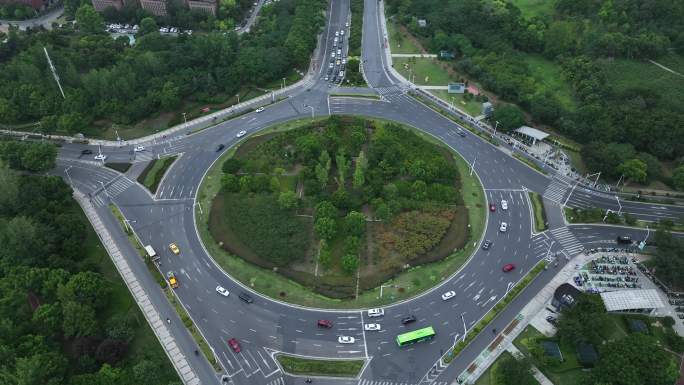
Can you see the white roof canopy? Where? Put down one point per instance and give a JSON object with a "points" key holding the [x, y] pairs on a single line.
{"points": [[532, 132], [632, 300]]}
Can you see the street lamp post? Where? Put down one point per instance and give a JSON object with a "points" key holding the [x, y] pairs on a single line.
{"points": [[495, 127], [617, 198], [185, 118], [66, 171], [465, 328], [312, 110], [283, 86]]}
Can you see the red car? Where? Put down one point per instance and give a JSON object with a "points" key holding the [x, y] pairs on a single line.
{"points": [[508, 267], [234, 344], [492, 207], [324, 323]]}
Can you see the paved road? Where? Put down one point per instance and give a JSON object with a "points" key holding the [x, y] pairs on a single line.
{"points": [[266, 326], [44, 20]]}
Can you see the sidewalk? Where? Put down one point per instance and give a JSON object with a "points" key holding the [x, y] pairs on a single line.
{"points": [[158, 326]]}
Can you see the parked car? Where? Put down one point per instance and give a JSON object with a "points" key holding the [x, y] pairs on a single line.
{"points": [[346, 339], [234, 344], [371, 327], [408, 319], [486, 244], [492, 207], [260, 109], [624, 239], [324, 323], [171, 277], [503, 227], [448, 295], [504, 204], [376, 312], [461, 133], [221, 290], [241, 133], [508, 267]]}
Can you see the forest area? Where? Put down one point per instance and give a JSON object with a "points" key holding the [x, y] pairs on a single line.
{"points": [[600, 50], [106, 81], [66, 316]]}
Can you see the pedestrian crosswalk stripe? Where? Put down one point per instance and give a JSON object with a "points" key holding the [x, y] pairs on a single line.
{"points": [[556, 191], [567, 240]]}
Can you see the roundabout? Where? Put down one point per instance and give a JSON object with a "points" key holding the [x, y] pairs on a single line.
{"points": [[267, 325]]}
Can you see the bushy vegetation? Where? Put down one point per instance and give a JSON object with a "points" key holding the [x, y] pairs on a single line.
{"points": [[16, 11], [669, 259], [66, 316], [499, 47], [106, 79], [356, 28], [345, 193]]}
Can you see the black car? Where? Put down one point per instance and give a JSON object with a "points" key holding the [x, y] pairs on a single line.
{"points": [[86, 152], [624, 239], [220, 147], [408, 319], [246, 297], [486, 244], [461, 133], [551, 320]]}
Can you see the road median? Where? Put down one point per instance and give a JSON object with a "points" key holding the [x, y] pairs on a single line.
{"points": [[305, 366]]}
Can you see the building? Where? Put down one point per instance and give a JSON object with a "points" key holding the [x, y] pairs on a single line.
{"points": [[101, 5], [532, 135], [422, 23], [38, 5], [487, 109], [208, 6], [586, 354], [565, 296], [645, 301], [156, 7], [456, 88], [446, 55]]}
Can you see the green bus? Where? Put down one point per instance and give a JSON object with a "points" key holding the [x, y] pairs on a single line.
{"points": [[415, 336]]}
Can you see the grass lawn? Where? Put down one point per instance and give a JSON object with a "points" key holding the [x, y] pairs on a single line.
{"points": [[539, 212], [422, 68], [525, 340], [472, 106], [332, 368], [548, 74], [626, 74], [566, 373], [532, 8], [529, 162], [413, 281], [489, 376], [145, 344], [398, 40], [154, 172]]}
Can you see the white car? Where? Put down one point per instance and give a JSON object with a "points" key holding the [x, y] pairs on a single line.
{"points": [[260, 109], [371, 327], [139, 148], [337, 33], [346, 340], [241, 133], [100, 157], [503, 227], [346, 24], [221, 290], [448, 295], [342, 32], [376, 312], [504, 204]]}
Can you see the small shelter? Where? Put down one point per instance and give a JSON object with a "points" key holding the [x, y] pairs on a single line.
{"points": [[532, 135], [586, 354]]}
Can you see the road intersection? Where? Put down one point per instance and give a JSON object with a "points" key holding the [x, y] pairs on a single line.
{"points": [[268, 326]]}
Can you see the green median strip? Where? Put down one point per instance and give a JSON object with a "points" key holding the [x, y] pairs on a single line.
{"points": [[491, 315], [319, 367], [153, 174], [187, 321], [529, 163], [539, 212]]}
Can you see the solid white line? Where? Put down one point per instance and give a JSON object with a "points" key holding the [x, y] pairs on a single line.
{"points": [[363, 330]]}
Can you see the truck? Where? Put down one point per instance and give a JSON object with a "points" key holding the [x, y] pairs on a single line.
{"points": [[151, 253], [172, 279]]}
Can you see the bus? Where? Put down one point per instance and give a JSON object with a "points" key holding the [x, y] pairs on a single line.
{"points": [[415, 336]]}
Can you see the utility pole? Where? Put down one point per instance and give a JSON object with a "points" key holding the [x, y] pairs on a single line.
{"points": [[54, 72], [495, 127], [283, 86], [465, 328], [312, 110]]}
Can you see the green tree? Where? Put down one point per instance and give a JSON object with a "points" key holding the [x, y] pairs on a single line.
{"points": [[509, 116], [39, 157], [78, 320], [511, 371], [322, 169], [633, 169], [584, 321], [147, 26], [355, 223], [325, 228], [325, 209], [230, 183], [22, 241], [342, 167], [48, 317], [72, 123], [288, 200], [9, 193], [678, 177], [87, 288], [40, 369], [324, 253], [633, 360], [383, 212], [360, 170], [350, 263], [170, 96], [89, 20], [232, 165]]}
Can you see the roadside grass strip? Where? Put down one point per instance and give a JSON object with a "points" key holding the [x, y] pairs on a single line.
{"points": [[491, 315], [539, 212], [120, 167], [187, 321], [320, 367], [530, 163], [153, 174]]}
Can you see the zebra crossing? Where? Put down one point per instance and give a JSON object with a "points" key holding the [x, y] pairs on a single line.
{"points": [[381, 382], [111, 190], [570, 244], [556, 191], [277, 381]]}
